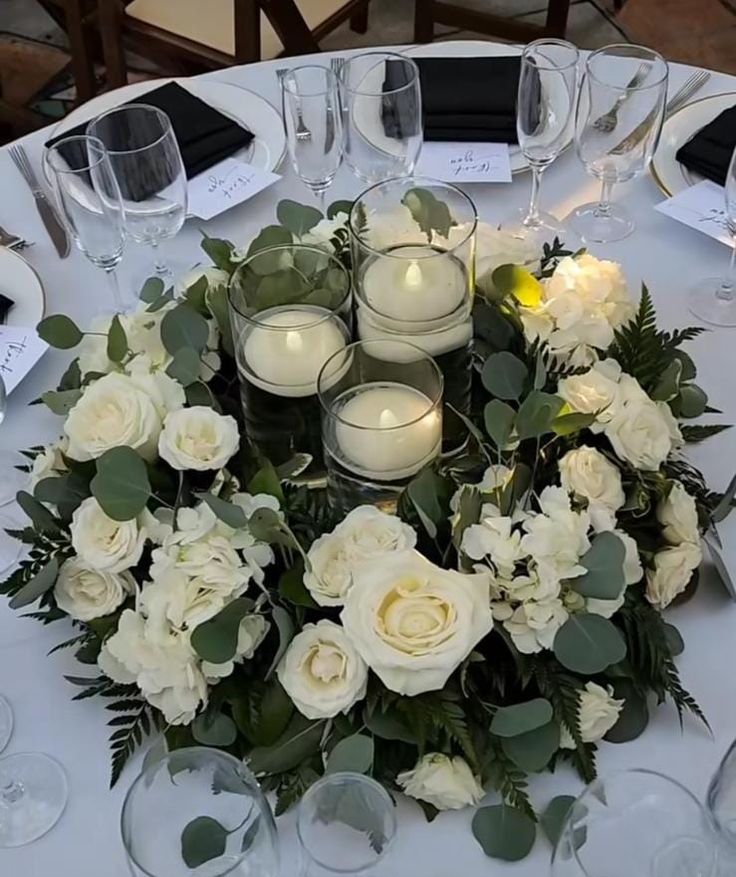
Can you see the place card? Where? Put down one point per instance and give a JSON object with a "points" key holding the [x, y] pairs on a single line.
{"points": [[702, 207], [226, 185], [20, 350], [466, 162]]}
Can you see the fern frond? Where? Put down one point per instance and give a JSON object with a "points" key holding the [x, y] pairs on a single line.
{"points": [[508, 780]]}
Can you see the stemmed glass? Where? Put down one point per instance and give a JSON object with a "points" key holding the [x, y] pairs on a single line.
{"points": [[382, 106], [313, 124], [618, 122], [147, 163], [90, 203], [545, 111], [714, 299], [12, 481]]}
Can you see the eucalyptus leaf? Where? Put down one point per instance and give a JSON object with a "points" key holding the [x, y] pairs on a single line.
{"points": [[668, 385], [294, 467], [117, 341], [689, 371], [388, 726], [509, 721], [504, 832], [693, 401], [674, 639], [216, 640], [339, 207], [293, 589], [121, 485], [469, 504], [199, 393], [504, 375], [152, 289], [553, 818], [568, 424], [40, 516], [354, 753], [425, 492], [513, 280], [300, 740], [160, 302], [228, 513], [215, 730], [220, 251], [42, 581], [286, 629], [196, 294], [499, 417], [634, 716], [61, 401], [183, 327], [537, 414], [270, 236], [429, 213], [533, 750], [604, 562], [185, 366], [202, 840], [266, 526], [59, 331], [297, 218], [72, 377], [588, 644], [217, 302], [266, 480], [263, 714], [540, 373]]}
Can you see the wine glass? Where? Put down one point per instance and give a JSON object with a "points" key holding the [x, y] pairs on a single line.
{"points": [[714, 299], [721, 802], [147, 163], [201, 810], [345, 823], [313, 123], [544, 121], [6, 722], [12, 481], [90, 203], [618, 122], [382, 106], [635, 822]]}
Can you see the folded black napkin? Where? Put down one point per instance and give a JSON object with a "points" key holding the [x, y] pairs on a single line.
{"points": [[470, 99], [5, 305], [204, 134], [709, 151]]}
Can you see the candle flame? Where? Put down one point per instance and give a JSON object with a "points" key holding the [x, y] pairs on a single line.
{"points": [[387, 419], [294, 343], [413, 277]]}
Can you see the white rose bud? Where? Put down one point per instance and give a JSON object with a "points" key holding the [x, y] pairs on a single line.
{"points": [[322, 672], [678, 514], [587, 473], [446, 783], [102, 543], [639, 433], [198, 438], [599, 712], [85, 594], [413, 622], [594, 391], [673, 569]]}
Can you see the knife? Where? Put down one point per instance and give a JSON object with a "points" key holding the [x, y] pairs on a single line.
{"points": [[46, 210]]}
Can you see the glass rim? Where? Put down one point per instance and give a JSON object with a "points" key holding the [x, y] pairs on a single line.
{"points": [[418, 179], [390, 56], [435, 401], [331, 312], [50, 153], [329, 74], [168, 127], [552, 41], [344, 778], [630, 48]]}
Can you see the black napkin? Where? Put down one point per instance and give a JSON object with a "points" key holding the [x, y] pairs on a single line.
{"points": [[470, 99], [204, 134], [5, 305], [709, 151]]}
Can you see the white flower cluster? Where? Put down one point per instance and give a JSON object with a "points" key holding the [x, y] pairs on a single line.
{"points": [[641, 431], [534, 555], [581, 305]]}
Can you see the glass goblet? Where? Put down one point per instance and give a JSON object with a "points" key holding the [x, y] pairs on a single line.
{"points": [[33, 795], [11, 483]]}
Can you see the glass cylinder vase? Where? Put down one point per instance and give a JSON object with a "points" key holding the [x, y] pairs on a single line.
{"points": [[381, 420], [413, 246], [290, 311]]}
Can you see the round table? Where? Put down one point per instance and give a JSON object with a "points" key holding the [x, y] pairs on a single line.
{"points": [[665, 254]]}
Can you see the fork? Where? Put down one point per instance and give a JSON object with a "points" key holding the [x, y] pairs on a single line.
{"points": [[302, 132], [607, 122], [45, 208], [12, 241], [336, 65]]}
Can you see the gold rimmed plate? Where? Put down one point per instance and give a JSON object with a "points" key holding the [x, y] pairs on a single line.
{"points": [[22, 285], [672, 177]]}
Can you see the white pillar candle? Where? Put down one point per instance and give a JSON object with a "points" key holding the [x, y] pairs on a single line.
{"points": [[287, 348], [414, 283], [386, 431], [434, 343]]}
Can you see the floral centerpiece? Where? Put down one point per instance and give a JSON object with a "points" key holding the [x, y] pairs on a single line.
{"points": [[508, 616]]}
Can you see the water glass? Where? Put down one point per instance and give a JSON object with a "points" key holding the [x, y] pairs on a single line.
{"points": [[313, 124], [382, 106], [635, 822], [147, 164], [721, 802], [90, 202], [346, 824], [33, 795], [618, 122], [6, 722], [714, 300], [545, 112]]}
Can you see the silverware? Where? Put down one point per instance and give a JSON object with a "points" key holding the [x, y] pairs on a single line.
{"points": [[12, 241], [45, 208], [302, 132], [676, 102], [336, 65], [607, 122]]}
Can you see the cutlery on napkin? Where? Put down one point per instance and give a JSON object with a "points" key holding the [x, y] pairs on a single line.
{"points": [[709, 151]]}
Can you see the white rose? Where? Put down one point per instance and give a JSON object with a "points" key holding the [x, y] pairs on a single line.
{"points": [[49, 462], [414, 622], [323, 232], [533, 625], [251, 633], [639, 434], [587, 473], [599, 712], [102, 543], [673, 569], [322, 672], [446, 783], [86, 594], [678, 514], [365, 533], [214, 276], [594, 391], [494, 248], [198, 438]]}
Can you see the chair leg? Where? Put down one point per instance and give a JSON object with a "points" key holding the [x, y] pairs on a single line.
{"points": [[556, 24], [423, 21], [82, 64], [359, 19], [110, 13]]}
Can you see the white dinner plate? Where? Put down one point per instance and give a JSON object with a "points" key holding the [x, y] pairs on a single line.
{"points": [[265, 151], [669, 174], [20, 283]]}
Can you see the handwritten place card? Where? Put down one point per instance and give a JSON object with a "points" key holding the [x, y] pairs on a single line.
{"points": [[703, 208], [20, 350], [466, 162], [225, 185]]}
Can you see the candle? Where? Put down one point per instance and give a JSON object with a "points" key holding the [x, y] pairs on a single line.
{"points": [[287, 348], [386, 431], [434, 343], [414, 283]]}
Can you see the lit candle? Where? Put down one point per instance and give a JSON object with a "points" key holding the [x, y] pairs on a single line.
{"points": [[386, 431], [287, 348]]}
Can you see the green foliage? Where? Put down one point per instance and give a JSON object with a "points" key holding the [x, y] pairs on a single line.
{"points": [[429, 494], [430, 214], [220, 251], [229, 514], [533, 750], [354, 753], [59, 331], [61, 402], [185, 366], [202, 840], [121, 485], [300, 740], [604, 562], [504, 832], [297, 218], [553, 818], [151, 290], [37, 586], [508, 780], [117, 341], [588, 644], [537, 414], [214, 729], [510, 721], [436, 719], [216, 640], [182, 327], [504, 375]]}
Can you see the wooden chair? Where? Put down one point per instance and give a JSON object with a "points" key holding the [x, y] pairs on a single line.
{"points": [[78, 18], [427, 13], [190, 35]]}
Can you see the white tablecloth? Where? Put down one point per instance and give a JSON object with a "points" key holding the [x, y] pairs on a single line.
{"points": [[670, 257]]}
